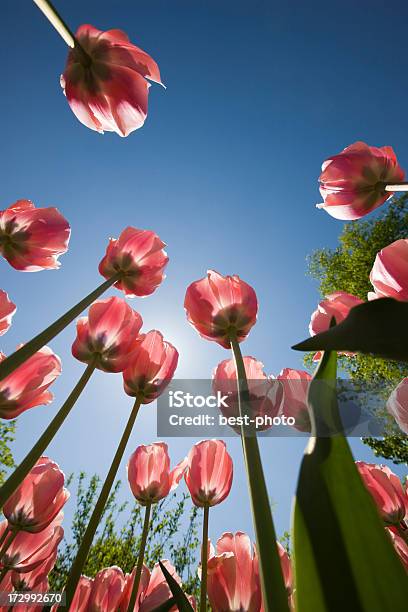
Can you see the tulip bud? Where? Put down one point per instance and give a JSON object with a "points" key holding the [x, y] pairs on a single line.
{"points": [[209, 473]]}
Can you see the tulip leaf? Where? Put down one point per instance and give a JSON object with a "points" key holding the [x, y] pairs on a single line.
{"points": [[378, 327], [178, 594], [344, 559]]}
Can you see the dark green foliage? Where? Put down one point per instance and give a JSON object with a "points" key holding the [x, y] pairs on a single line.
{"points": [[7, 431], [117, 539], [347, 268], [377, 328]]}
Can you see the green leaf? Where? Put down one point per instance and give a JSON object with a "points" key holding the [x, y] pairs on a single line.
{"points": [[378, 327], [343, 557], [179, 596]]}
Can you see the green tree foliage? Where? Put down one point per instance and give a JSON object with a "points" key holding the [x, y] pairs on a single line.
{"points": [[7, 431], [347, 268], [173, 535]]}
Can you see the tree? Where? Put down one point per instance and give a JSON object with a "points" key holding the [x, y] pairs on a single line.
{"points": [[347, 268], [114, 545], [7, 431]]}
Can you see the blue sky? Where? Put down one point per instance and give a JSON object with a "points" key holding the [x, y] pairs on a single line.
{"points": [[225, 171]]}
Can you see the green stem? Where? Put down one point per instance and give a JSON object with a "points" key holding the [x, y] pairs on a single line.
{"points": [[204, 558], [39, 447], [63, 30], [140, 559], [273, 588], [27, 350], [86, 543]]}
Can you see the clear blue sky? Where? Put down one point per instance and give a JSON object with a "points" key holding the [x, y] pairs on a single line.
{"points": [[225, 171]]}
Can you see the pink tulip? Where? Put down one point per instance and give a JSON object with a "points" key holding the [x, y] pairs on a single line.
{"points": [[32, 239], [127, 591], [7, 310], [386, 490], [337, 305], [27, 386], [150, 367], [265, 392], [31, 580], [30, 550], [233, 583], [397, 405], [352, 183], [218, 306], [107, 335], [233, 575], [295, 391], [139, 255], [107, 88], [209, 473], [107, 590], [389, 275], [153, 589], [39, 499], [157, 591], [401, 547], [149, 473], [81, 596]]}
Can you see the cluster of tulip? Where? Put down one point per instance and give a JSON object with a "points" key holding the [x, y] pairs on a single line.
{"points": [[222, 309], [106, 87]]}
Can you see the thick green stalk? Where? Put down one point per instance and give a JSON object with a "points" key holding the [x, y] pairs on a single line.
{"points": [[204, 558], [27, 350], [140, 559], [94, 521], [273, 589], [39, 447]]}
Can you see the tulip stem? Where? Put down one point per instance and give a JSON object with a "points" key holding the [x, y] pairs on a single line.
{"points": [[397, 187], [140, 559], [204, 558], [7, 366], [80, 560], [39, 447], [63, 30], [273, 588]]}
